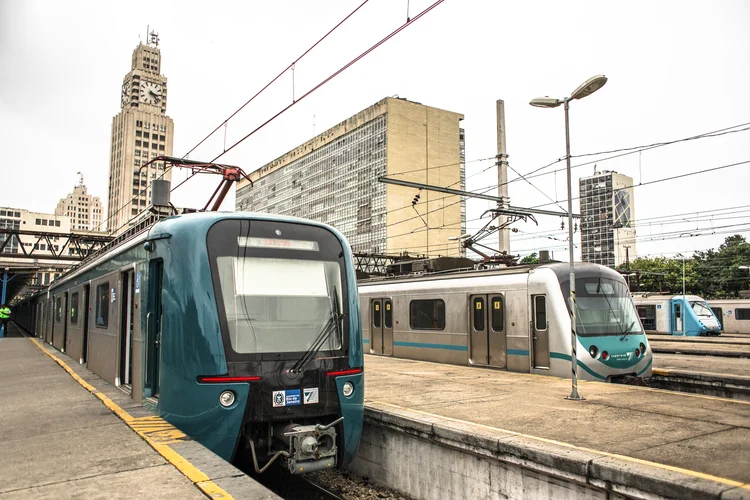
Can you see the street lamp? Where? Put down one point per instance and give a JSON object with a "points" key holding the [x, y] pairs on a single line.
{"points": [[585, 89], [682, 258]]}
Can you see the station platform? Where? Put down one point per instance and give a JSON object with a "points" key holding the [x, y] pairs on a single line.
{"points": [[718, 365], [633, 441], [67, 434]]}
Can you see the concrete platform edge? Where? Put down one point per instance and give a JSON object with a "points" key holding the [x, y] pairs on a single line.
{"points": [[606, 472]]}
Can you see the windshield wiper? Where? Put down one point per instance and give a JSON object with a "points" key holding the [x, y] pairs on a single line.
{"points": [[609, 304], [627, 331], [332, 325]]}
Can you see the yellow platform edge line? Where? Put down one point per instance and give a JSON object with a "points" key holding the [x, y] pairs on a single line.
{"points": [[195, 475], [700, 475]]}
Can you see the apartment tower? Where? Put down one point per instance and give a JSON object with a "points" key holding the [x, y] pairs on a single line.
{"points": [[333, 178], [607, 215]]}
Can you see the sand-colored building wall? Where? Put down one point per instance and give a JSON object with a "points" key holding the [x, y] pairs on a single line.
{"points": [[423, 146]]}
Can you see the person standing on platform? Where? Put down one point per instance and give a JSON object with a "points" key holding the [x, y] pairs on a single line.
{"points": [[4, 317]]}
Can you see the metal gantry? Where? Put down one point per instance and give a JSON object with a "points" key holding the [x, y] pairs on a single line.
{"points": [[57, 246]]}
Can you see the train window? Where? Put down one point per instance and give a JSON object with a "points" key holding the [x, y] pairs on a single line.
{"points": [[477, 305], [540, 312], [496, 318], [58, 309], [74, 309], [427, 314], [102, 305], [376, 321], [387, 314], [742, 313]]}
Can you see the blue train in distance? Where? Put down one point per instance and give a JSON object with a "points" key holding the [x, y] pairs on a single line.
{"points": [[242, 330], [688, 315]]}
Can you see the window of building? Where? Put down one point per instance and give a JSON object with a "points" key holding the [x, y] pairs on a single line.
{"points": [[44, 222], [161, 138], [74, 309], [138, 143], [38, 222], [138, 133], [57, 223], [102, 305], [742, 314], [161, 147], [427, 314]]}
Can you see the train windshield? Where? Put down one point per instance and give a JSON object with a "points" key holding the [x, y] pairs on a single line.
{"points": [[275, 284], [278, 305], [603, 307], [701, 309]]}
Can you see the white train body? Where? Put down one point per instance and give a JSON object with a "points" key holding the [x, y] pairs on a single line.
{"points": [[514, 319]]}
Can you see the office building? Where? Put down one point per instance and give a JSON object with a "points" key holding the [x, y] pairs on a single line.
{"points": [[85, 210], [607, 215], [333, 178], [140, 132]]}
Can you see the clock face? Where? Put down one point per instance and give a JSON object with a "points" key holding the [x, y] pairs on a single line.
{"points": [[151, 93], [125, 94]]}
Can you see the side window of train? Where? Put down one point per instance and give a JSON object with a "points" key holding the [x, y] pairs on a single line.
{"points": [[478, 308], [376, 314], [427, 314], [102, 305], [74, 309], [540, 312], [677, 310], [742, 314], [496, 319], [387, 314], [58, 309]]}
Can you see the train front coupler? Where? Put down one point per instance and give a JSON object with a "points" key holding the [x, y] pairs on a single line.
{"points": [[311, 447]]}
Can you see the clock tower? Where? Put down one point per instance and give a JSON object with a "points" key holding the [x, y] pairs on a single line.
{"points": [[141, 131]]}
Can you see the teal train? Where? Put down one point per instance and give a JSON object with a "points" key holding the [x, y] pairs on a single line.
{"points": [[688, 315], [242, 330], [517, 319]]}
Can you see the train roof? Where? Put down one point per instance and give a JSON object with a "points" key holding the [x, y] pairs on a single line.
{"points": [[561, 270], [664, 296]]}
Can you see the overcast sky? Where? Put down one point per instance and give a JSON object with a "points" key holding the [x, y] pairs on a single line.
{"points": [[676, 69]]}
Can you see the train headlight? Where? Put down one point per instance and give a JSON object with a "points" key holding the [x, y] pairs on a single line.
{"points": [[593, 351], [643, 347], [348, 389], [226, 399]]}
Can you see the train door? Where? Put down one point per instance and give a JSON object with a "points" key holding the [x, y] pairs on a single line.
{"points": [[676, 317], [85, 309], [540, 331], [381, 327], [153, 328], [488, 342], [66, 314], [719, 313], [125, 374]]}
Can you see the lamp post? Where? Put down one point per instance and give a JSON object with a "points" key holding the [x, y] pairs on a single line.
{"points": [[684, 303], [585, 89]]}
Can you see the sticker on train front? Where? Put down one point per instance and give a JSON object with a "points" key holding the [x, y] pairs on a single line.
{"points": [[278, 398], [311, 396]]}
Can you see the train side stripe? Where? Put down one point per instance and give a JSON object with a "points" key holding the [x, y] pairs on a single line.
{"points": [[645, 368], [432, 346], [518, 352], [566, 357], [158, 433]]}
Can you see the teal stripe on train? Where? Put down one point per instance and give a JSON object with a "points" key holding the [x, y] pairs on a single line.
{"points": [[517, 352], [432, 346], [566, 357]]}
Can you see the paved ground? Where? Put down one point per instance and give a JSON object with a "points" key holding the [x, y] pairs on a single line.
{"points": [[59, 441], [699, 433], [719, 365]]}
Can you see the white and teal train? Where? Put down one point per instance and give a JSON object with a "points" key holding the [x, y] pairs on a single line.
{"points": [[513, 318]]}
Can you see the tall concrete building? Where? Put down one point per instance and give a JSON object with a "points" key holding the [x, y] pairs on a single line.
{"points": [[85, 210], [607, 215], [333, 178], [140, 132]]}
